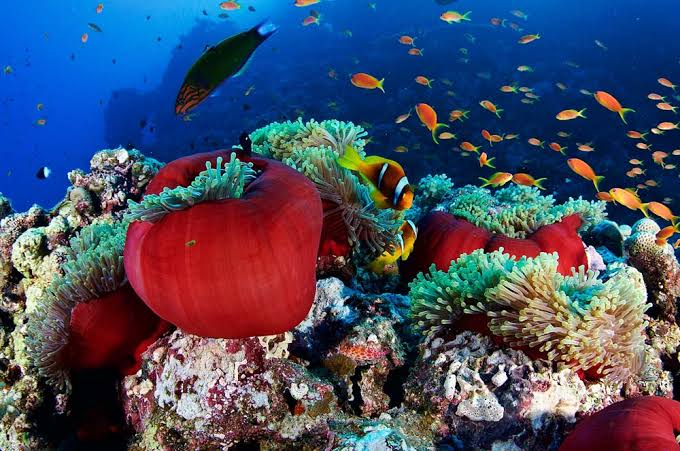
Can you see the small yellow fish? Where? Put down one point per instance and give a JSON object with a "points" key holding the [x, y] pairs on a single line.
{"points": [[406, 238]]}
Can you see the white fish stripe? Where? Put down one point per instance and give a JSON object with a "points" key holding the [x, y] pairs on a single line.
{"points": [[413, 227], [401, 242], [403, 183], [383, 170]]}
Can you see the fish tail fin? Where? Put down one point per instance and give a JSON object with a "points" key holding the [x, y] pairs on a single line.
{"points": [[562, 151], [597, 181], [498, 112], [644, 209], [265, 29], [434, 131], [429, 83], [380, 85], [542, 145], [642, 136], [488, 162], [486, 182], [466, 16], [623, 112], [351, 159], [580, 113], [538, 183]]}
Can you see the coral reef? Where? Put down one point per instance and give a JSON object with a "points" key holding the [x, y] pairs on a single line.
{"points": [[578, 321], [519, 341], [658, 265]]}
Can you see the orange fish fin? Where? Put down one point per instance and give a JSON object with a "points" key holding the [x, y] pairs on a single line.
{"points": [[623, 112], [597, 181]]}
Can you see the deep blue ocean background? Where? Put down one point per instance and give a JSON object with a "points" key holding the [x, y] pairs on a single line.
{"points": [[119, 88]]}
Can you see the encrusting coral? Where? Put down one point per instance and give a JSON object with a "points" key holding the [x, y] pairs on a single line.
{"points": [[517, 211], [579, 321]]}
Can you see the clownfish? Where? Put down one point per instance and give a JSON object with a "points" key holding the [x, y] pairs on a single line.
{"points": [[406, 238], [388, 182]]}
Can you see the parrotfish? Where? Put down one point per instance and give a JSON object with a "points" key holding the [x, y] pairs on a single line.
{"points": [[219, 62]]}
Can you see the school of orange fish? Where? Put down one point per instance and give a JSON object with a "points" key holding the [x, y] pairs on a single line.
{"points": [[626, 196]]}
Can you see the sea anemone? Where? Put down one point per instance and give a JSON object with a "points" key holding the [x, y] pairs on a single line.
{"points": [[644, 423], [518, 211], [90, 317], [578, 320], [350, 215], [443, 238], [227, 267]]}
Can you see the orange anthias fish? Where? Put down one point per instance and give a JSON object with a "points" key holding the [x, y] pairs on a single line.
{"points": [[424, 81], [585, 147], [230, 6], [627, 198], [664, 106], [665, 126], [636, 135], [557, 148], [460, 115], [428, 116], [658, 157], [388, 182], [536, 142], [407, 40], [655, 96], [309, 20], [415, 52], [366, 81], [527, 38], [454, 16], [509, 88], [584, 170], [662, 211], [301, 3], [489, 106], [469, 147], [100, 8], [497, 179], [604, 196], [486, 135], [484, 160], [522, 178], [609, 102], [664, 234], [402, 117], [567, 115], [667, 83], [84, 38]]}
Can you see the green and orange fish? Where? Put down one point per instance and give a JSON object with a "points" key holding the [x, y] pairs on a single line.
{"points": [[386, 178], [218, 63]]}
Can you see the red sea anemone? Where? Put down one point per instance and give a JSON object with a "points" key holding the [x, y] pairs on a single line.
{"points": [[649, 423], [442, 237], [235, 267]]}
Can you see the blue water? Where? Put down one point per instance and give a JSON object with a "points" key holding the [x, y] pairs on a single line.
{"points": [[119, 88]]}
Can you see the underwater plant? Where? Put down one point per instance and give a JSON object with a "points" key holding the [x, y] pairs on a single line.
{"points": [[579, 321], [90, 317], [221, 266]]}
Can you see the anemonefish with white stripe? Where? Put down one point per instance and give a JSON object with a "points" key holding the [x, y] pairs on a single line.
{"points": [[406, 238], [388, 182]]}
